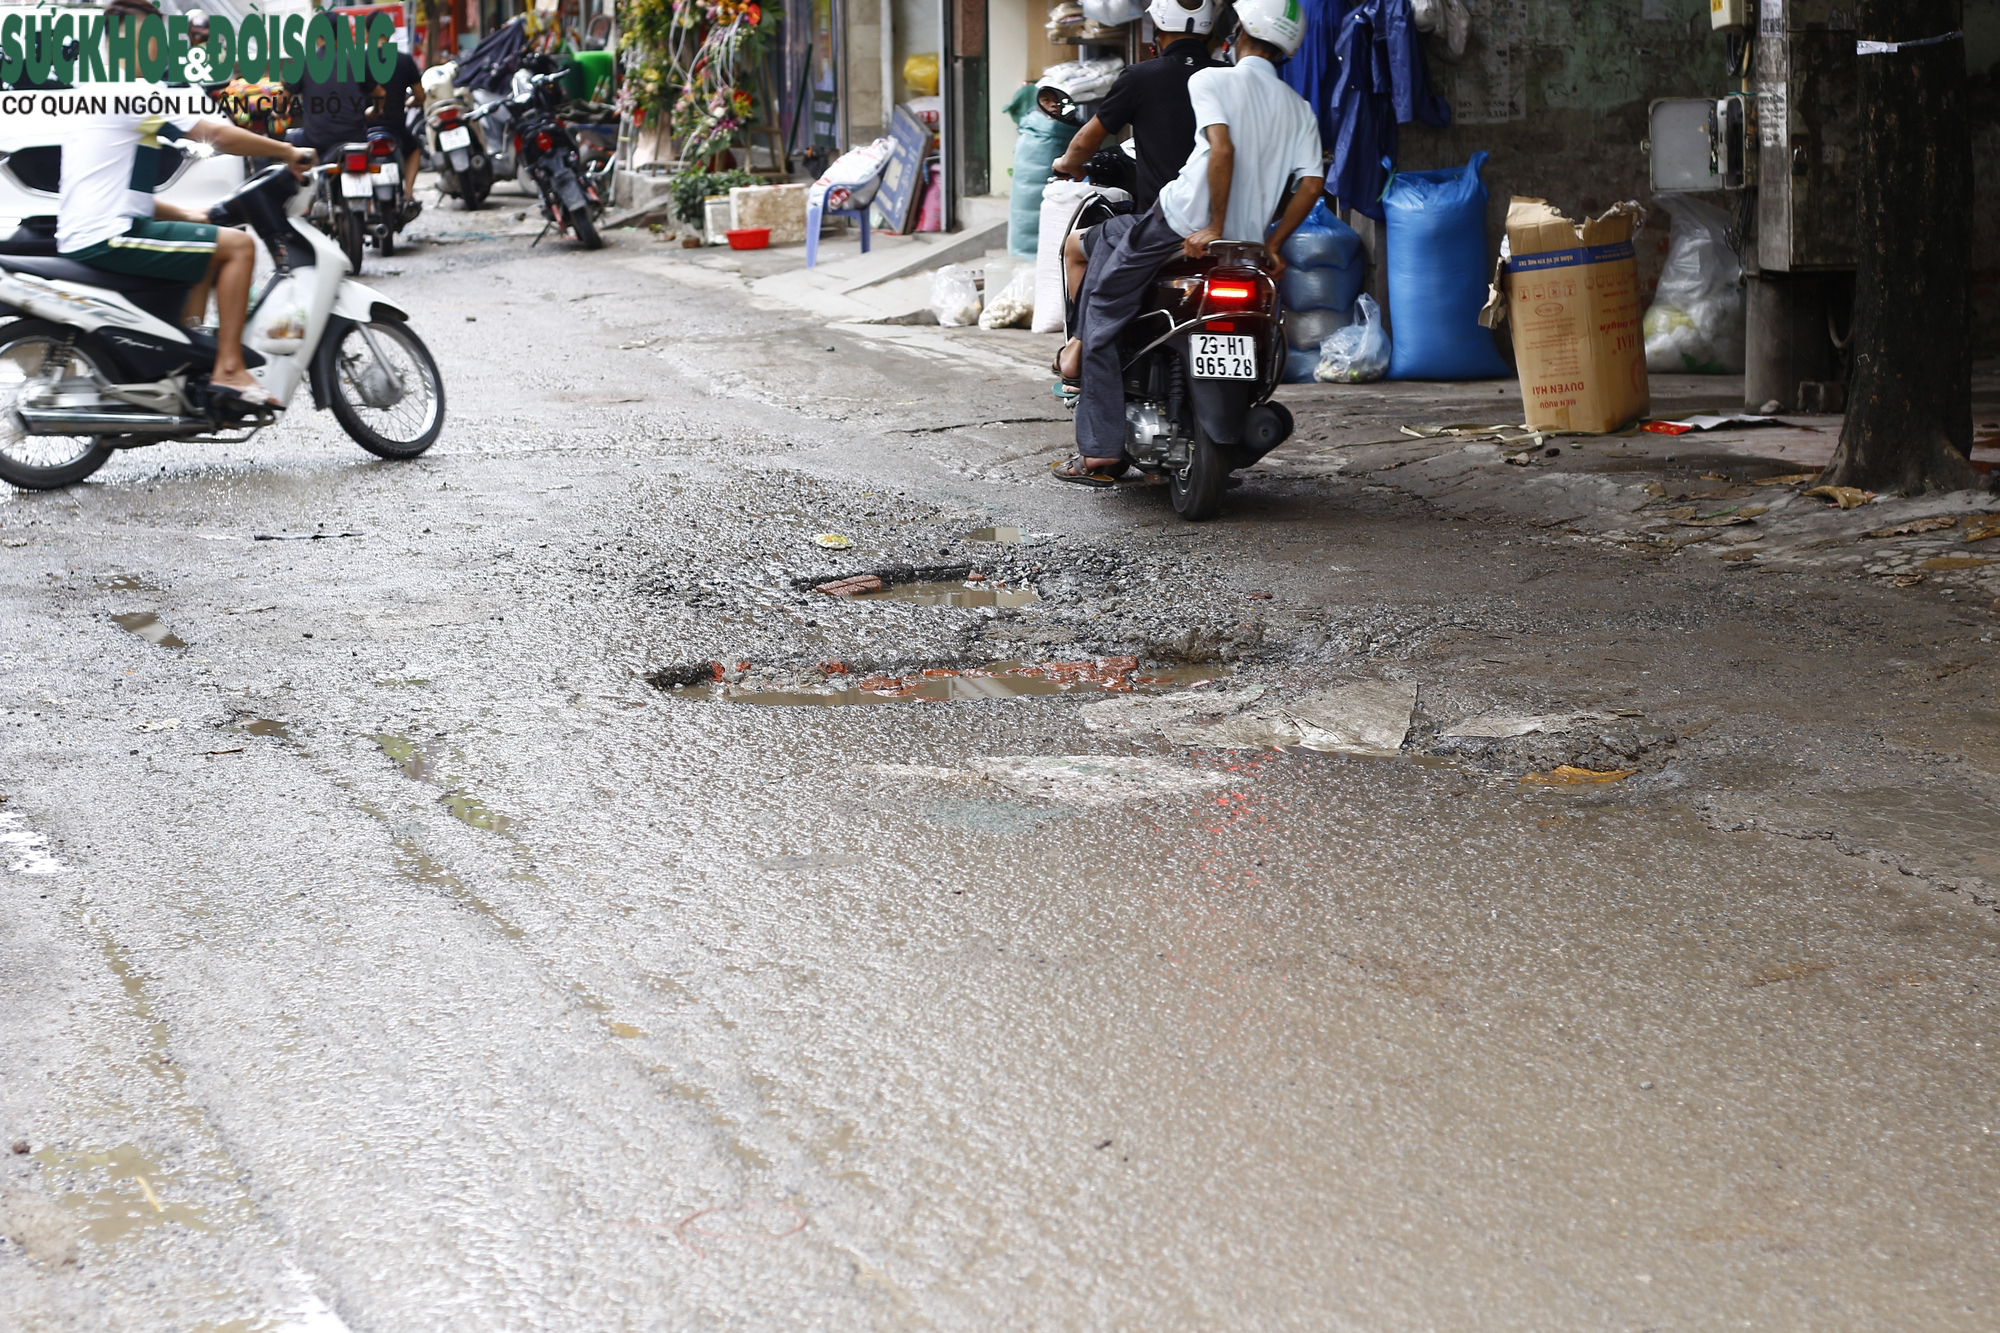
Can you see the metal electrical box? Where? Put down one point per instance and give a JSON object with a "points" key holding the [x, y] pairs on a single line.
{"points": [[1702, 143], [1808, 135], [1728, 14]]}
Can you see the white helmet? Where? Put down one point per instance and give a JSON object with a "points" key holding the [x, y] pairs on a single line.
{"points": [[1280, 22], [1177, 17]]}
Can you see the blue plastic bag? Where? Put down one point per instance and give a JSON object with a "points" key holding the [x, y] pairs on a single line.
{"points": [[1439, 269]]}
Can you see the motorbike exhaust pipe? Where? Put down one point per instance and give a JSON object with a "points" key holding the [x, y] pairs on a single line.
{"points": [[91, 421]]}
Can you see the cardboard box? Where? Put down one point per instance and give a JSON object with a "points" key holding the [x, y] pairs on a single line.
{"points": [[1572, 295]]}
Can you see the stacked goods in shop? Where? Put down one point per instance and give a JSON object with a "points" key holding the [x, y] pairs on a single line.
{"points": [[1324, 272]]}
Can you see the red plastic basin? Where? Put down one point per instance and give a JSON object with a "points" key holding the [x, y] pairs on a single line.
{"points": [[748, 238]]}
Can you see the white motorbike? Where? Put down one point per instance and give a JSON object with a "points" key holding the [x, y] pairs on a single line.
{"points": [[93, 361]]}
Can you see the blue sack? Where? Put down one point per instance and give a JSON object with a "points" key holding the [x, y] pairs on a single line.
{"points": [[1042, 140], [1322, 241], [1321, 288], [1439, 268], [1300, 365]]}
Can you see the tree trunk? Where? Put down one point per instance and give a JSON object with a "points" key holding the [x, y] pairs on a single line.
{"points": [[1909, 405]]}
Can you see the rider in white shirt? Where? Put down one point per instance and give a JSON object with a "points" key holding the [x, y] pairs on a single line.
{"points": [[108, 217]]}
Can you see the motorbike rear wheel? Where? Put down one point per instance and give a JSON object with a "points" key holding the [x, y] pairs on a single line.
{"points": [[474, 186], [30, 350], [348, 234], [584, 229], [383, 386], [1197, 488]]}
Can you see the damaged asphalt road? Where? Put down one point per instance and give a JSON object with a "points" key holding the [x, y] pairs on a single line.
{"points": [[491, 917]]}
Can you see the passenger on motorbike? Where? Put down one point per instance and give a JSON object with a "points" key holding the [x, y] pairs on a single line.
{"points": [[1258, 139], [1152, 98], [104, 219], [332, 112], [389, 107]]}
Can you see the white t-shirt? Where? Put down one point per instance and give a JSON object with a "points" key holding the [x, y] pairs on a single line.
{"points": [[1276, 139], [110, 164]]}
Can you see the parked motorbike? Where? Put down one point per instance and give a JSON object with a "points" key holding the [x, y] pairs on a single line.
{"points": [[93, 361], [570, 196], [465, 169], [1201, 361]]}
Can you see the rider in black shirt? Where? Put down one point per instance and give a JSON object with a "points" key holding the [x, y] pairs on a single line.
{"points": [[1152, 98]]}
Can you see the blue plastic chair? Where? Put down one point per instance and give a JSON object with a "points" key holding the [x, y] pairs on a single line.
{"points": [[815, 215]]}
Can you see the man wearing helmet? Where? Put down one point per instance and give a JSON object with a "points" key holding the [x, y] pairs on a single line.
{"points": [[1152, 98], [1257, 140]]}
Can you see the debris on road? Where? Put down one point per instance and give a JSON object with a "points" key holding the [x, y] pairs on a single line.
{"points": [[833, 541], [302, 536], [1789, 479], [852, 586], [1707, 423], [167, 724], [1982, 528], [1936, 524], [1844, 497], [1568, 775]]}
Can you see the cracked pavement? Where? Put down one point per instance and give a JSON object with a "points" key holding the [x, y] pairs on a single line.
{"points": [[444, 936]]}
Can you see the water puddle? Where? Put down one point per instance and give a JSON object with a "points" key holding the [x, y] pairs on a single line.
{"points": [[998, 680], [148, 627], [118, 1191], [127, 583], [998, 536], [950, 593], [424, 762], [265, 726]]}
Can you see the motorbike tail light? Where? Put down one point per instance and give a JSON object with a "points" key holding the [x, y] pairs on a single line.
{"points": [[544, 142], [1220, 326], [354, 162], [1231, 293], [448, 115], [380, 147], [517, 143]]}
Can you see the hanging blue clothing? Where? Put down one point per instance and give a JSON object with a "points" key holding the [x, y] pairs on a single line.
{"points": [[1313, 67], [1384, 81]]}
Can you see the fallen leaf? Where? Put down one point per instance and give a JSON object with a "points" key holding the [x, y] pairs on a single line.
{"points": [[1909, 580], [1983, 527], [1568, 775], [1846, 497], [1789, 479], [1715, 476], [1786, 972], [1936, 524]]}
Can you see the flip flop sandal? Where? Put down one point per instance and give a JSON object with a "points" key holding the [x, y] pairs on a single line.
{"points": [[253, 397], [1073, 470], [1064, 387]]}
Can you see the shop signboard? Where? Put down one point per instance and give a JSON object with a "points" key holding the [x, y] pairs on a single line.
{"points": [[903, 179]]}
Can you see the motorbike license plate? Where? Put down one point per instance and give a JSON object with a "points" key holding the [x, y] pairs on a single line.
{"points": [[356, 184], [458, 138], [1221, 357]]}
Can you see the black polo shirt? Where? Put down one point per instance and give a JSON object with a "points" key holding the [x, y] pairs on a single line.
{"points": [[1152, 98]]}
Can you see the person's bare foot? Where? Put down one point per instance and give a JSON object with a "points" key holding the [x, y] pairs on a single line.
{"points": [[1069, 361], [240, 379]]}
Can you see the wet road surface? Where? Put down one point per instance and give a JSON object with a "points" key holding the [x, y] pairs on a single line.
{"points": [[385, 943]]}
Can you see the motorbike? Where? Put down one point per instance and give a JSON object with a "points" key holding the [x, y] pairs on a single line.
{"points": [[1201, 361], [92, 362], [571, 197], [465, 169], [391, 212]]}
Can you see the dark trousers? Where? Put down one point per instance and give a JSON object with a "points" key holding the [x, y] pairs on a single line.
{"points": [[1125, 253]]}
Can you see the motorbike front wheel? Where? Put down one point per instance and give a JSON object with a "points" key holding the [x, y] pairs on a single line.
{"points": [[1197, 488], [31, 351], [383, 387]]}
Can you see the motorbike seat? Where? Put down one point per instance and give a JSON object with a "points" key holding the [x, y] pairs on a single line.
{"points": [[58, 269]]}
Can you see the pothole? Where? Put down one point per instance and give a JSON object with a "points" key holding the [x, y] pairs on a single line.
{"points": [[942, 592], [995, 680], [148, 627], [999, 536]]}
